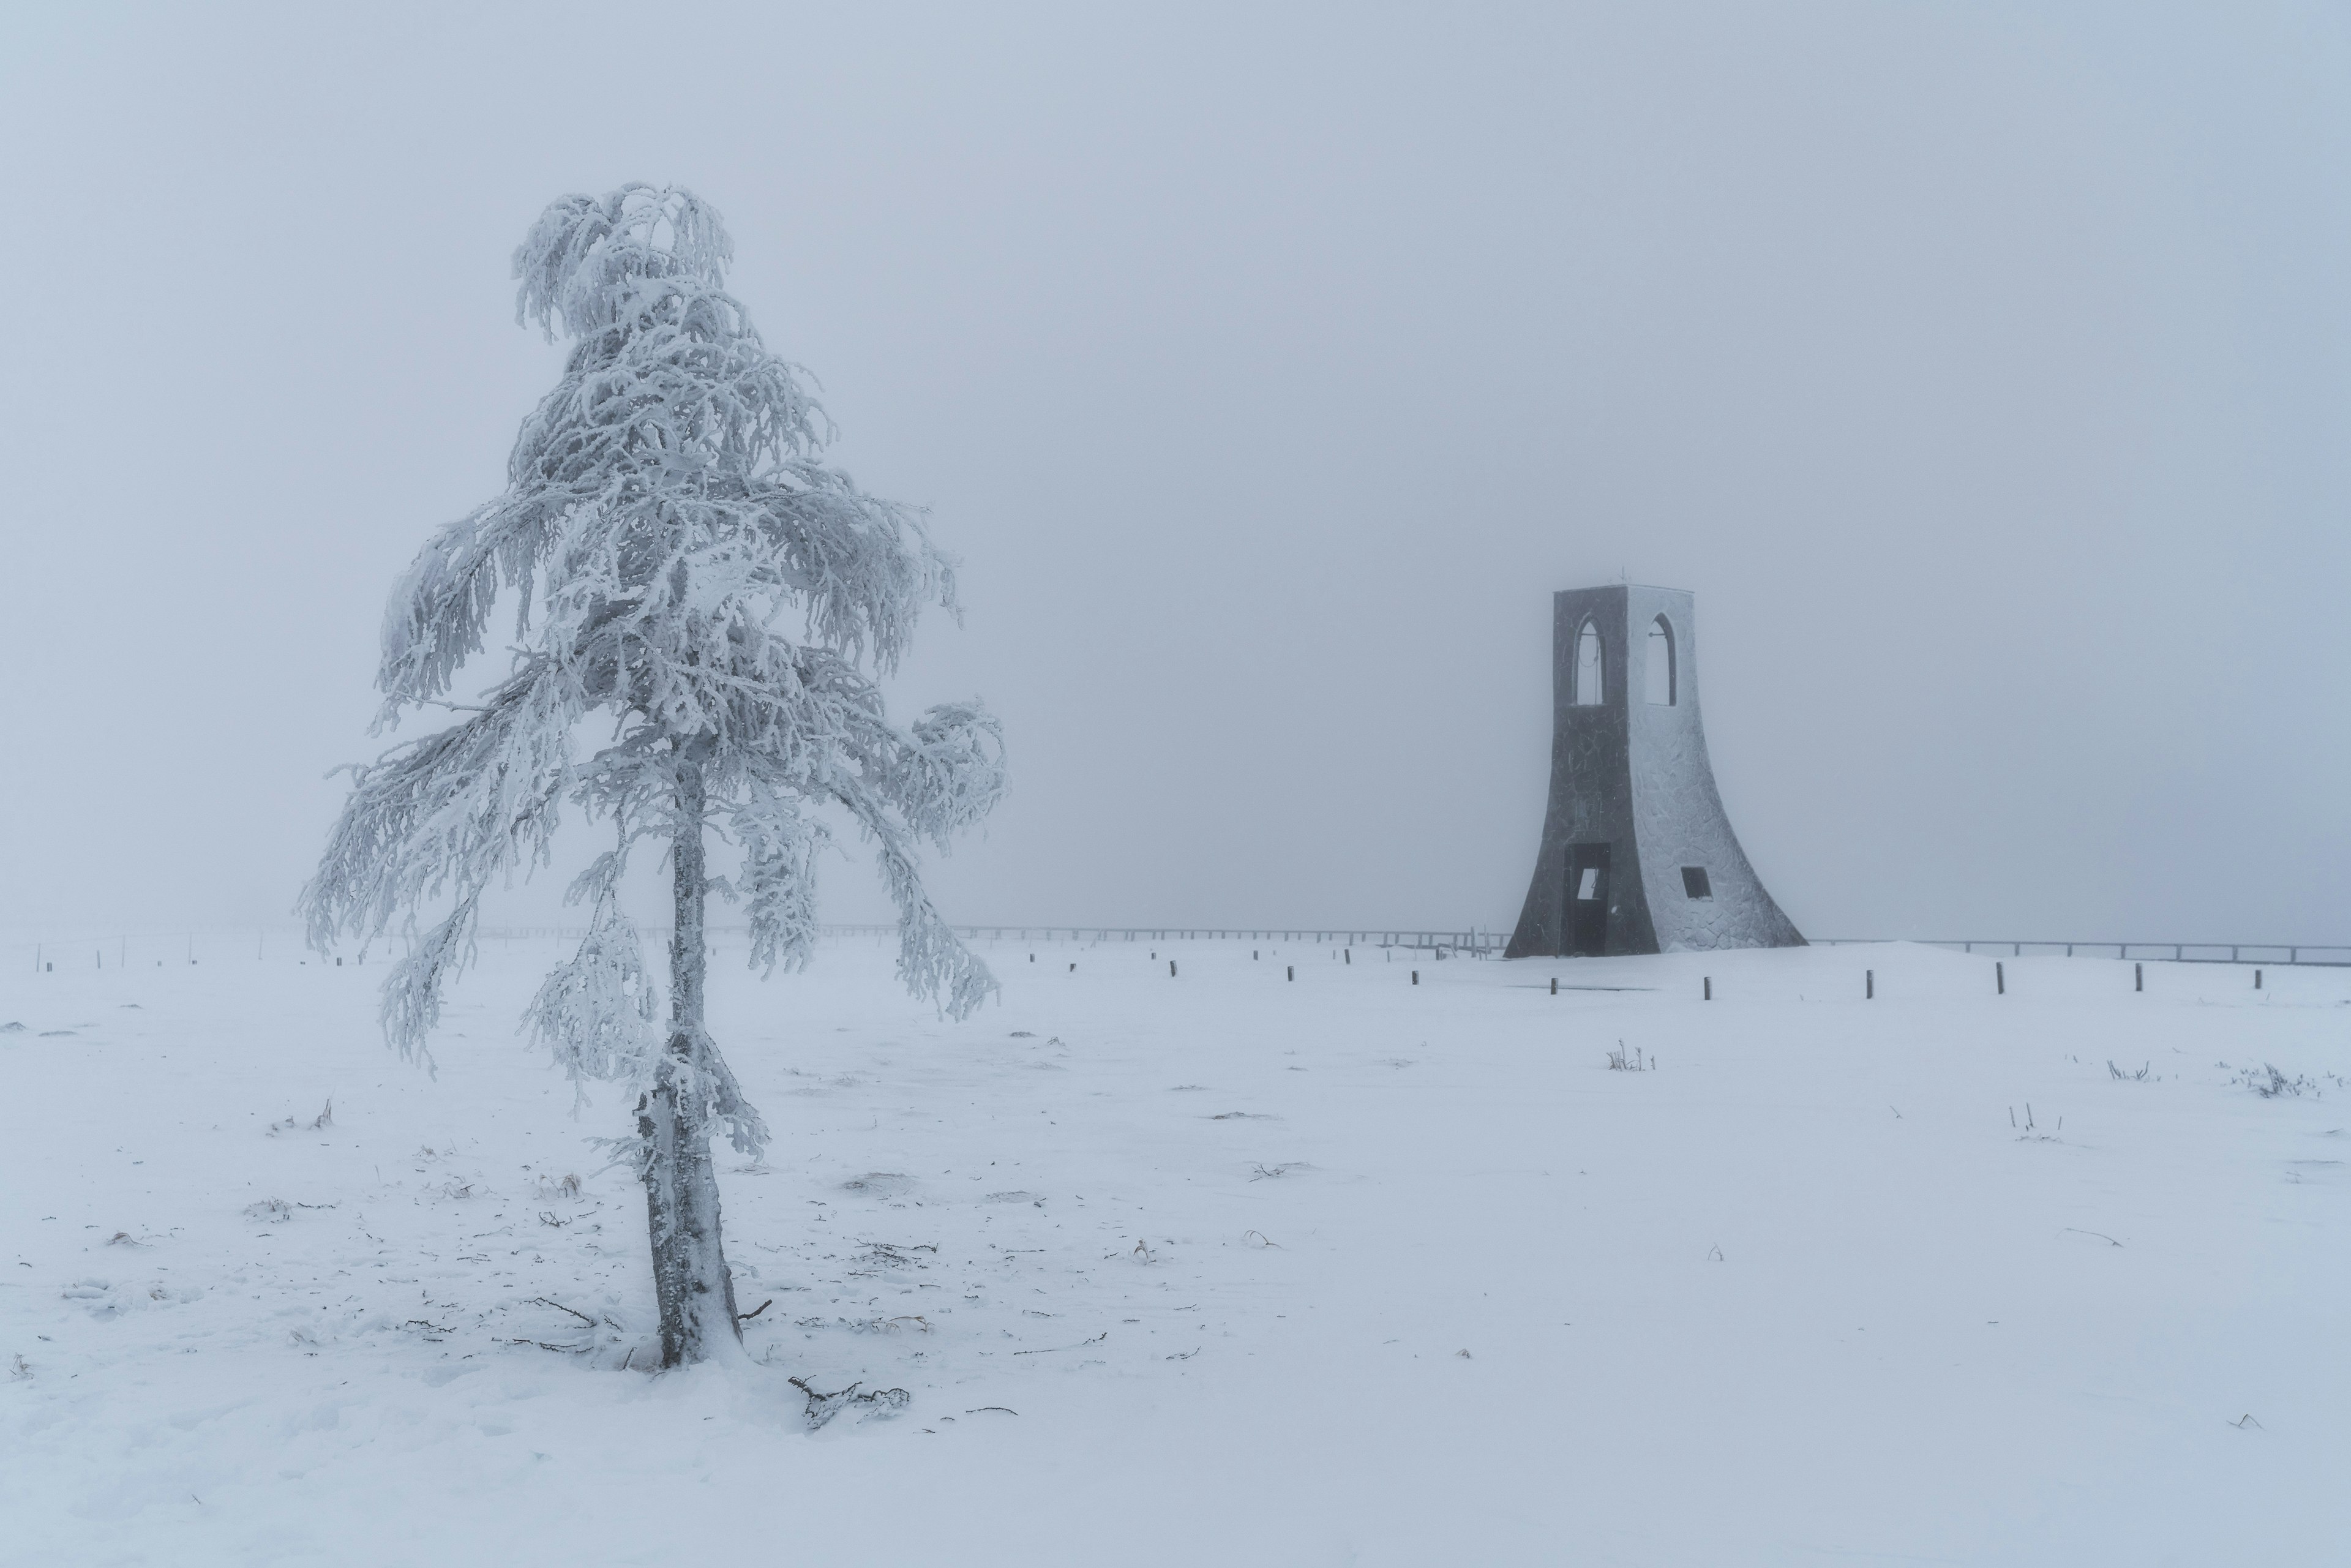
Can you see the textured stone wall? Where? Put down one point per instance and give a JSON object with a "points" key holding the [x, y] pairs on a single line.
{"points": [[1635, 775]]}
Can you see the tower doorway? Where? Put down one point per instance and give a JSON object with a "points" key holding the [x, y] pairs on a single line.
{"points": [[1583, 926]]}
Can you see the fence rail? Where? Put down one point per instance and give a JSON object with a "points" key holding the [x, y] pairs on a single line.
{"points": [[1472, 941], [1345, 936], [107, 950], [1479, 943], [2319, 955]]}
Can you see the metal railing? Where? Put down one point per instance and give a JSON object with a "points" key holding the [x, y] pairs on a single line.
{"points": [[1481, 944], [1472, 941], [108, 951], [2314, 954]]}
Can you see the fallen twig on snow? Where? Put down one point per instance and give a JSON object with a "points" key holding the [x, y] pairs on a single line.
{"points": [[559, 1307], [823, 1408], [1058, 1349]]}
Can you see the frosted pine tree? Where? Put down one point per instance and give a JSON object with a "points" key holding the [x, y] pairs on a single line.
{"points": [[690, 572]]}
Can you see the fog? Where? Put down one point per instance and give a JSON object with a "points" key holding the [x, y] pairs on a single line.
{"points": [[1981, 369]]}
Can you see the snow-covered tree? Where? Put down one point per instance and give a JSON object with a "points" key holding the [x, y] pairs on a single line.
{"points": [[688, 568]]}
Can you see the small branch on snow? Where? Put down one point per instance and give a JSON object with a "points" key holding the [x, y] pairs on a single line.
{"points": [[559, 1307], [823, 1408], [1058, 1349], [755, 1312]]}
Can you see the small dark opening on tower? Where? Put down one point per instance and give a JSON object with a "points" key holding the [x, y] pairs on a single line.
{"points": [[1694, 882], [1660, 674], [1590, 670]]}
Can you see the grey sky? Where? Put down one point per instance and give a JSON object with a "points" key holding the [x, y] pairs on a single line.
{"points": [[1981, 367]]}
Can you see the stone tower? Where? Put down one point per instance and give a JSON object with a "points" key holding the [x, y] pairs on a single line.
{"points": [[1636, 856]]}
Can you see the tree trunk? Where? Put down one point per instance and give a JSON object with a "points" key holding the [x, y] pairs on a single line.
{"points": [[691, 1281]]}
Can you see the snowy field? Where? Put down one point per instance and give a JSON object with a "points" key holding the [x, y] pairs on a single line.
{"points": [[1219, 1267]]}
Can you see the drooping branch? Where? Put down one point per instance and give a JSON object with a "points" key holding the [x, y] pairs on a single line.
{"points": [[932, 962], [412, 992], [948, 773], [598, 1015], [440, 607], [457, 809], [779, 844]]}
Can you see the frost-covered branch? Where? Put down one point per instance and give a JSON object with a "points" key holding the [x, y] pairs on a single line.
{"points": [[777, 890], [597, 1015], [461, 807], [932, 962]]}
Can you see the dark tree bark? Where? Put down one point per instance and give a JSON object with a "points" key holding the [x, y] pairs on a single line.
{"points": [[691, 1281]]}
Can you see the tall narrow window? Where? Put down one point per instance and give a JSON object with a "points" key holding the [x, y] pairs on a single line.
{"points": [[1589, 674], [1660, 674]]}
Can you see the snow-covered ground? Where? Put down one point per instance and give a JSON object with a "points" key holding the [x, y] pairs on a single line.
{"points": [[1220, 1268]]}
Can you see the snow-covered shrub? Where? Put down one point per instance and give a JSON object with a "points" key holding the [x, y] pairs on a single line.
{"points": [[2270, 1084]]}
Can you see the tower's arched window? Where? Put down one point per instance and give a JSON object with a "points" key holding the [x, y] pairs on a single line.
{"points": [[1590, 675], [1661, 673]]}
